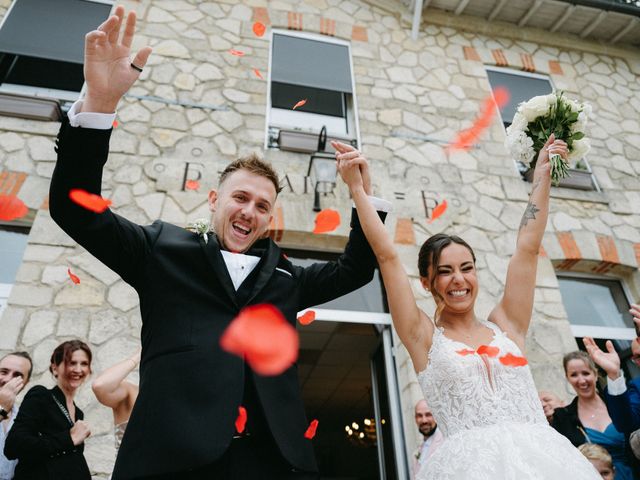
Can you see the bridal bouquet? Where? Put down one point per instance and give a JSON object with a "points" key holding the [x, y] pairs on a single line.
{"points": [[536, 119]]}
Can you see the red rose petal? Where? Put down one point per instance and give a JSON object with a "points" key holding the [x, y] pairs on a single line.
{"points": [[299, 104], [438, 211], [90, 201], [488, 350], [241, 421], [327, 220], [192, 185], [259, 29], [11, 207], [311, 430], [466, 138], [306, 318], [465, 351], [115, 124], [237, 53], [262, 335], [258, 74], [74, 278], [511, 360]]}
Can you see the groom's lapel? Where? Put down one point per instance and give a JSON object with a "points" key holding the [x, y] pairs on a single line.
{"points": [[267, 265], [212, 252]]}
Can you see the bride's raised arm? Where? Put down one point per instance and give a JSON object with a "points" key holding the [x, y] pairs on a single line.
{"points": [[513, 313], [414, 328]]}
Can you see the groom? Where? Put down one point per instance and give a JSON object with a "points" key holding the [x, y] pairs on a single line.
{"points": [[190, 289]]}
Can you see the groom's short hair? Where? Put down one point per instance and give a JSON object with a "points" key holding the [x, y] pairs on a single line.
{"points": [[254, 164]]}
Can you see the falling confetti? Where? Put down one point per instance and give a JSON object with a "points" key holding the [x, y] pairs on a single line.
{"points": [[510, 360], [466, 138], [299, 104], [192, 185], [465, 351], [259, 29], [115, 124], [90, 201], [237, 53], [438, 211], [488, 351], [74, 278], [262, 335], [258, 74], [241, 421], [311, 430], [11, 207], [326, 221], [306, 318]]}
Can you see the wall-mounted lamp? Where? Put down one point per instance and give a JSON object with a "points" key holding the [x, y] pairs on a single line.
{"points": [[322, 170]]}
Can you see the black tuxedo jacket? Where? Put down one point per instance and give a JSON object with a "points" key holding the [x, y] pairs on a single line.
{"points": [[40, 439], [190, 389]]}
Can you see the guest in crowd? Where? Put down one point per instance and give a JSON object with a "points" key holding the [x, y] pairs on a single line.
{"points": [[113, 391], [586, 419], [48, 434], [15, 371], [550, 401], [431, 436], [599, 458]]}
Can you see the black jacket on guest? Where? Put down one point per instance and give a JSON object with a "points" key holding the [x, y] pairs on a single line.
{"points": [[190, 388], [41, 440]]}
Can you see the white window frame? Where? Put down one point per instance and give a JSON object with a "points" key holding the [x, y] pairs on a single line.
{"points": [[610, 333], [305, 121]]}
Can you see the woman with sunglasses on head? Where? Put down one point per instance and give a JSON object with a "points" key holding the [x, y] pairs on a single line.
{"points": [[471, 370], [49, 432]]}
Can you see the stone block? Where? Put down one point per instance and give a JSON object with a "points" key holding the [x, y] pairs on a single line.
{"points": [[12, 320], [122, 296], [46, 231], [73, 323], [546, 274], [105, 325], [87, 293], [41, 356], [42, 253], [94, 267], [30, 295], [41, 325], [55, 275]]}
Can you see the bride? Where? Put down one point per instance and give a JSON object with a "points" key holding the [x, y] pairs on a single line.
{"points": [[471, 370]]}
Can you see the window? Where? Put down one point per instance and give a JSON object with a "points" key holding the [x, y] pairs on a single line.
{"points": [[599, 307], [13, 241], [318, 70], [42, 53]]}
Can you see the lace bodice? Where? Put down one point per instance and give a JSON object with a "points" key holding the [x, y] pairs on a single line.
{"points": [[469, 391]]}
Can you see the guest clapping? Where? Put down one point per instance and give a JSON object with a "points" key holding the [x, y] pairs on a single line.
{"points": [[49, 432], [586, 419], [113, 391]]}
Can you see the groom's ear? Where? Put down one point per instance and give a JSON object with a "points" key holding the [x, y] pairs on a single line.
{"points": [[213, 197]]}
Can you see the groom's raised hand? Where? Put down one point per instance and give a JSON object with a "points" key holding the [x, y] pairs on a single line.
{"points": [[107, 63]]}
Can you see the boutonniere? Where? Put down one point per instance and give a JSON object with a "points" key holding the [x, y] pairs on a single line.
{"points": [[202, 227], [417, 454]]}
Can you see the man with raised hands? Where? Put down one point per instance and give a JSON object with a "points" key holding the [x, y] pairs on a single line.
{"points": [[191, 287]]}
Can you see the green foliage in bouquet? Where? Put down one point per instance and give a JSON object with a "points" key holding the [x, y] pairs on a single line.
{"points": [[559, 120]]}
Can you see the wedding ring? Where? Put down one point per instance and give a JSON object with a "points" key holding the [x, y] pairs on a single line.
{"points": [[135, 67]]}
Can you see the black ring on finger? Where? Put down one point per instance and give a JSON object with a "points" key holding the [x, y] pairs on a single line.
{"points": [[135, 67]]}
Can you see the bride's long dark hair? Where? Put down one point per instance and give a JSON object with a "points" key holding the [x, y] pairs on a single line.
{"points": [[429, 256]]}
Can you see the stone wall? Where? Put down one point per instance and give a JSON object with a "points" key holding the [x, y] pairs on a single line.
{"points": [[411, 96]]}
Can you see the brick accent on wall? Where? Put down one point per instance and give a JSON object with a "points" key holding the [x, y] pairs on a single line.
{"points": [[10, 182], [470, 53], [359, 34], [294, 21], [327, 26], [527, 62], [636, 248], [276, 227], [404, 232], [555, 68], [261, 14], [570, 249], [500, 59]]}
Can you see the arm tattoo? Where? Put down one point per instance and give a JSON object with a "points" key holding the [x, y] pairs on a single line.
{"points": [[531, 210]]}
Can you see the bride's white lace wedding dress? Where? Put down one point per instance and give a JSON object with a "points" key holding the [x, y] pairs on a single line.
{"points": [[492, 419]]}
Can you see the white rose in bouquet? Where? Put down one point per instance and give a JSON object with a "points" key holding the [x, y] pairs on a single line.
{"points": [[580, 149], [536, 107]]}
